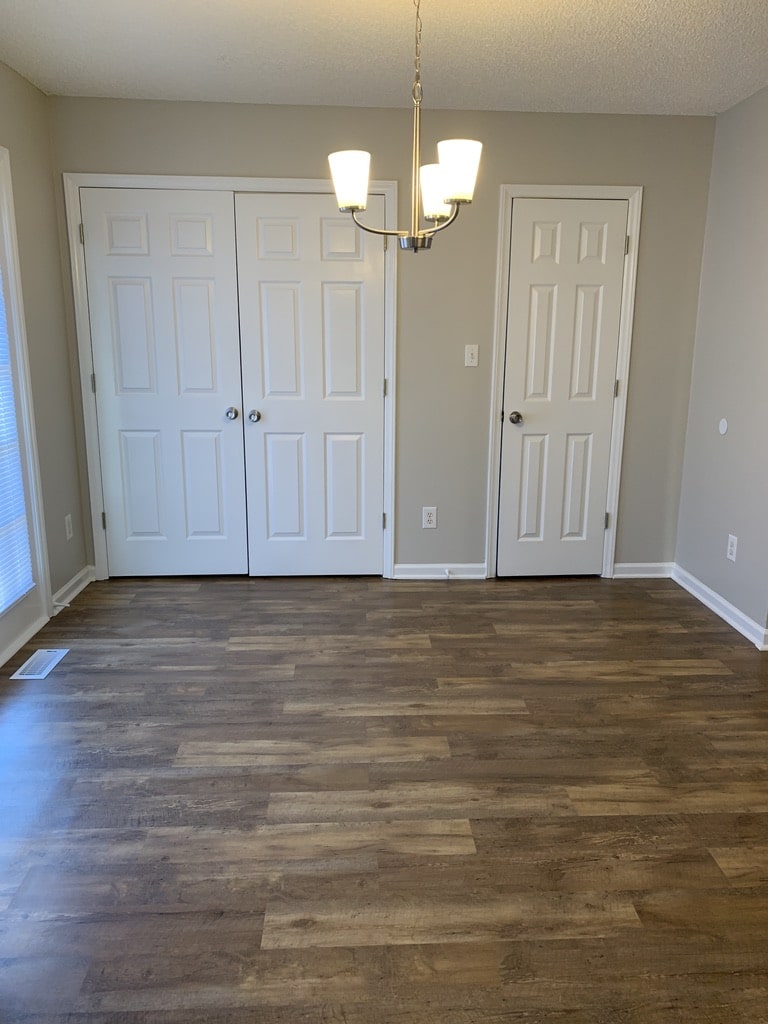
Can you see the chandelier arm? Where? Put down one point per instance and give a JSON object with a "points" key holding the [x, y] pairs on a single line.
{"points": [[446, 223], [376, 231]]}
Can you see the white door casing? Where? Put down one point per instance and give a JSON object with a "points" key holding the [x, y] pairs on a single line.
{"points": [[566, 270], [312, 308], [163, 316], [75, 183]]}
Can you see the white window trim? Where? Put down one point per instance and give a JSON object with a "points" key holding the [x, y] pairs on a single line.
{"points": [[634, 195], [30, 614]]}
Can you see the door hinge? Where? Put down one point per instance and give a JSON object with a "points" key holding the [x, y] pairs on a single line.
{"points": [[82, 234], [103, 520], [616, 389], [386, 387], [502, 415], [607, 520], [93, 383], [383, 520], [386, 243], [626, 246]]}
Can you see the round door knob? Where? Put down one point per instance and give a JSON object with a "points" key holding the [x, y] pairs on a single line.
{"points": [[515, 417], [254, 415], [231, 413]]}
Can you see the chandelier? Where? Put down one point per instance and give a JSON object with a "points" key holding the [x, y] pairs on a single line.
{"points": [[444, 186]]}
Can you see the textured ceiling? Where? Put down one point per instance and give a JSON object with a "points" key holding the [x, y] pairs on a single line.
{"points": [[624, 56]]}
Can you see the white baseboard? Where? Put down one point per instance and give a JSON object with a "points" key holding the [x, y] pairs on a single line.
{"points": [[452, 571], [18, 642], [63, 597], [643, 570], [729, 613]]}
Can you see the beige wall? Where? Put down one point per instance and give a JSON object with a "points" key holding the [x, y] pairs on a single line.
{"points": [[725, 484], [24, 131], [446, 297]]}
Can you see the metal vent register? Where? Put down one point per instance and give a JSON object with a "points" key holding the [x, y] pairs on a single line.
{"points": [[41, 663]]}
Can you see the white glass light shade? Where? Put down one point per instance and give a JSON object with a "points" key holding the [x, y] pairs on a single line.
{"points": [[433, 193], [349, 170], [459, 160]]}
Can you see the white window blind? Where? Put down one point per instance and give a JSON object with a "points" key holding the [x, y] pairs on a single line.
{"points": [[16, 578]]}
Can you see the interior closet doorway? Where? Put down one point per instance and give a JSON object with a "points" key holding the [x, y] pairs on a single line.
{"points": [[565, 299], [237, 358]]}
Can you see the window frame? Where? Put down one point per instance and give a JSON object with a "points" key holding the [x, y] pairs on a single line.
{"points": [[25, 617]]}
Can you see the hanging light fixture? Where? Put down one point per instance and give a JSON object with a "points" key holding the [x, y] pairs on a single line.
{"points": [[444, 186]]}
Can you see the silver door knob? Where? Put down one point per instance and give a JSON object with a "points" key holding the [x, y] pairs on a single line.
{"points": [[231, 413], [515, 417], [254, 415]]}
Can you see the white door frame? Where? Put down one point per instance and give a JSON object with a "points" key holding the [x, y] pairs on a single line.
{"points": [[634, 195], [72, 185]]}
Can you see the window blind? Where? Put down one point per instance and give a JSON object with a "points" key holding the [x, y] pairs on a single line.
{"points": [[16, 578]]}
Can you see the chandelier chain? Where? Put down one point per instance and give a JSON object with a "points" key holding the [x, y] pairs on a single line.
{"points": [[417, 89]]}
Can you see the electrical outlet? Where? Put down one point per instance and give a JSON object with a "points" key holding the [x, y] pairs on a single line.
{"points": [[429, 517], [68, 531], [470, 355], [731, 550]]}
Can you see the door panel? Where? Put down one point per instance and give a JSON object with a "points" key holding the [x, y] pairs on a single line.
{"points": [[162, 292], [565, 286], [285, 487], [312, 323]]}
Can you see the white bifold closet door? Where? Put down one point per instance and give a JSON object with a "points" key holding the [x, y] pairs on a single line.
{"points": [[238, 346], [162, 294], [312, 330]]}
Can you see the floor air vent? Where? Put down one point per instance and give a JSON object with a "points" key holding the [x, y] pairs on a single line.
{"points": [[40, 664]]}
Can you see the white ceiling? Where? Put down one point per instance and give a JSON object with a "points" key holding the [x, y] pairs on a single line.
{"points": [[623, 56]]}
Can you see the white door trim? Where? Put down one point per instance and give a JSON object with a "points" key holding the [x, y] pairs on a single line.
{"points": [[72, 185], [634, 195]]}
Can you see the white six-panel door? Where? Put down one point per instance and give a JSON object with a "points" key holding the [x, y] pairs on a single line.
{"points": [[564, 307], [312, 327], [162, 294]]}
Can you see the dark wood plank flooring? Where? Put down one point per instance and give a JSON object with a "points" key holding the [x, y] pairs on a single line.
{"points": [[353, 801]]}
